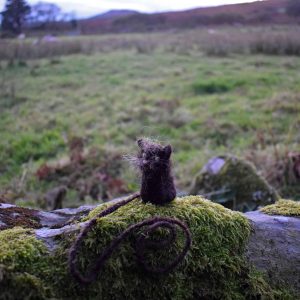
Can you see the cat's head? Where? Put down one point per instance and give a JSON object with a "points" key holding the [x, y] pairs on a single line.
{"points": [[153, 156]]}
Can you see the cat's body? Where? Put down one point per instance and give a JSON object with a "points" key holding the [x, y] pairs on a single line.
{"points": [[154, 162]]}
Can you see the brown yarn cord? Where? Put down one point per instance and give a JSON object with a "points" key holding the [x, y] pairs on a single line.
{"points": [[140, 246]]}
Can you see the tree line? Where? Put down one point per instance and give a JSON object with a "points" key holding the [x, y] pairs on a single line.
{"points": [[18, 16]]}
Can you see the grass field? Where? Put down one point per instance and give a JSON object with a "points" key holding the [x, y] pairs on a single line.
{"points": [[247, 105]]}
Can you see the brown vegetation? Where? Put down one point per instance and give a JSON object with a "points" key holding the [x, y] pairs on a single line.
{"points": [[250, 40], [90, 172], [279, 165]]}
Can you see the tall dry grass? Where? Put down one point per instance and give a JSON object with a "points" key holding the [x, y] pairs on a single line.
{"points": [[35, 49], [270, 43], [217, 41]]}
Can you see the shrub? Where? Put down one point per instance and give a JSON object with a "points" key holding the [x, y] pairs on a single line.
{"points": [[216, 85], [35, 146]]}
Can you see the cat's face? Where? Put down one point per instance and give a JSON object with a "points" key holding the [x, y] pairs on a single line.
{"points": [[153, 156]]}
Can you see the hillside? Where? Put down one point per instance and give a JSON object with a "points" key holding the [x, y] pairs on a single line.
{"points": [[116, 13], [254, 12], [259, 12]]}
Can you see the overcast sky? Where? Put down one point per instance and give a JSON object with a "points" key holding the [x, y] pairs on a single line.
{"points": [[84, 8]]}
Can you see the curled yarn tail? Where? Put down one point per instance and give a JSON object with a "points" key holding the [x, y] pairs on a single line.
{"points": [[147, 227]]}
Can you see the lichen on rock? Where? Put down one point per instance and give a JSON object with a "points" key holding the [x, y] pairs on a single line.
{"points": [[283, 207], [13, 216], [215, 267], [234, 183]]}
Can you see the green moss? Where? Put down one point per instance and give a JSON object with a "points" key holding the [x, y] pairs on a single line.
{"points": [[22, 260], [22, 286], [237, 185], [216, 85], [215, 267], [19, 249], [283, 207]]}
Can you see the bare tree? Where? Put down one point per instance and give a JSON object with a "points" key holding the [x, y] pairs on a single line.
{"points": [[44, 15]]}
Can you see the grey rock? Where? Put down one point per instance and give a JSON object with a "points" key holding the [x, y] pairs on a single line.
{"points": [[214, 165], [47, 235], [274, 247], [6, 205], [75, 211]]}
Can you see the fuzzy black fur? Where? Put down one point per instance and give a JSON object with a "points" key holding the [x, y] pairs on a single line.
{"points": [[154, 162]]}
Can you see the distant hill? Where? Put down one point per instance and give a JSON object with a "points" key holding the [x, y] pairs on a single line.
{"points": [[254, 13], [117, 13]]}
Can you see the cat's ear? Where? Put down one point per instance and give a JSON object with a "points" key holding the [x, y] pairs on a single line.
{"points": [[167, 151], [140, 143]]}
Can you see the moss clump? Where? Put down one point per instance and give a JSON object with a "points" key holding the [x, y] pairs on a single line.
{"points": [[236, 185], [22, 260], [215, 267], [217, 85], [22, 286], [283, 207], [19, 249]]}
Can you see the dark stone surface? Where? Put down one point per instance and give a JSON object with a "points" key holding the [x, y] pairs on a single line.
{"points": [[274, 247], [43, 219]]}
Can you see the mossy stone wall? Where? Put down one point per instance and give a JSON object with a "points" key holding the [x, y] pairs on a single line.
{"points": [[215, 267]]}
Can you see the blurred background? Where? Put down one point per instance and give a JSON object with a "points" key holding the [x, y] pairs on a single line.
{"points": [[80, 82]]}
